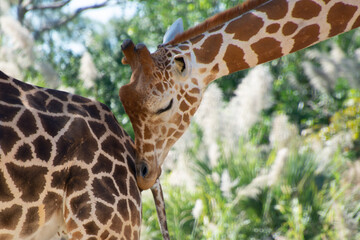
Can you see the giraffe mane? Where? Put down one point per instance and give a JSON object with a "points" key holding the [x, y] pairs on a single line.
{"points": [[216, 20]]}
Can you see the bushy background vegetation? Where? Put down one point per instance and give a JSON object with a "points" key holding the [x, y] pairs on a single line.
{"points": [[273, 152]]}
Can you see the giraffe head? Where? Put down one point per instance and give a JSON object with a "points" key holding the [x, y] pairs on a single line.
{"points": [[166, 87], [160, 100]]}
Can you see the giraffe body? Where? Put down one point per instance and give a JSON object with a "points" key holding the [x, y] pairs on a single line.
{"points": [[167, 86], [66, 167]]}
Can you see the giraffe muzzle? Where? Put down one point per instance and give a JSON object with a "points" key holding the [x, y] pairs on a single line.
{"points": [[146, 174]]}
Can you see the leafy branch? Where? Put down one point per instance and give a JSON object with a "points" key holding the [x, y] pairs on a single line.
{"points": [[24, 7]]}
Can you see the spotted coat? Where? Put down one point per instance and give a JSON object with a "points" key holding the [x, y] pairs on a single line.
{"points": [[66, 167]]}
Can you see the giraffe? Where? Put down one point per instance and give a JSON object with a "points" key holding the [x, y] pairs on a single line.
{"points": [[66, 168], [166, 87]]}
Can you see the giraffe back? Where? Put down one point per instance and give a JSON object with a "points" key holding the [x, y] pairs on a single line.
{"points": [[66, 167]]}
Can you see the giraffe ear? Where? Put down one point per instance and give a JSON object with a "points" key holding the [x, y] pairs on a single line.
{"points": [[176, 28]]}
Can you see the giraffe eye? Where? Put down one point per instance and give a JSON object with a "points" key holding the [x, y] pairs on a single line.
{"points": [[166, 108], [180, 64]]}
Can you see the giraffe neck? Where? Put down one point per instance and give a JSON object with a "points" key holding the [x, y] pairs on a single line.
{"points": [[270, 30]]}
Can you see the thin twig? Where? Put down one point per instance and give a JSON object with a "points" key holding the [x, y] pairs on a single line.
{"points": [[54, 5], [67, 19]]}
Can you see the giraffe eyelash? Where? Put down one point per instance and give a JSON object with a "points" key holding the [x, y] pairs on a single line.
{"points": [[166, 108]]}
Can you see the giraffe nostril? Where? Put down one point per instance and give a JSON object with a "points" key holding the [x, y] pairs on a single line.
{"points": [[144, 170]]}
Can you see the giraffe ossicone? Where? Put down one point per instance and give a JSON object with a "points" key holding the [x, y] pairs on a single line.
{"points": [[175, 29], [166, 86], [66, 168]]}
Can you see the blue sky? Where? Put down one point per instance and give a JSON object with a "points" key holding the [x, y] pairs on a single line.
{"points": [[105, 13]]}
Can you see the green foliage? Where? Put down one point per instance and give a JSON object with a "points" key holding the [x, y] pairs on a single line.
{"points": [[303, 203], [346, 120]]}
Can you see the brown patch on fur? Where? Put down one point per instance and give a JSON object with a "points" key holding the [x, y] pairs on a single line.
{"points": [[202, 70], [194, 81], [275, 10], [306, 9], [77, 235], [273, 28], [195, 91], [31, 180], [289, 28], [9, 217], [104, 235], [234, 58], [135, 217], [31, 222], [148, 147], [216, 20], [6, 237], [306, 37], [215, 69], [170, 142], [186, 118], [245, 27], [170, 132], [103, 212], [71, 225], [116, 224], [178, 134], [127, 232], [190, 99], [122, 208], [159, 144], [209, 49], [267, 49], [339, 16], [91, 228], [192, 111]]}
